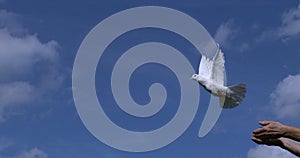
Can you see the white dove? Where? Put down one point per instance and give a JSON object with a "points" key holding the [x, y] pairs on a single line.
{"points": [[212, 77]]}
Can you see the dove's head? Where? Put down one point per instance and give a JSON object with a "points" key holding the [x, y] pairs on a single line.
{"points": [[194, 77], [198, 78]]}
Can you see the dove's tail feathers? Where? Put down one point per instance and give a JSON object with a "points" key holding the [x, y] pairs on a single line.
{"points": [[234, 96]]}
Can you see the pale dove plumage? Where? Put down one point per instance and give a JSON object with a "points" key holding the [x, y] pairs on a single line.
{"points": [[212, 77]]}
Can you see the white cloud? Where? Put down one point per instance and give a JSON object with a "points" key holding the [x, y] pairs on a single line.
{"points": [[286, 98], [15, 93], [263, 151], [289, 28], [28, 67], [18, 55], [33, 153], [11, 21], [225, 33], [290, 23], [20, 52], [7, 144]]}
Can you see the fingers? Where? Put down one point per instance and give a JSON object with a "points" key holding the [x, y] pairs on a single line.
{"points": [[259, 130], [256, 140], [268, 134], [264, 128], [265, 132], [264, 136], [270, 142]]}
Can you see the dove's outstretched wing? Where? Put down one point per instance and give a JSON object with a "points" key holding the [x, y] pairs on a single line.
{"points": [[214, 69], [218, 73], [218, 68], [205, 67]]}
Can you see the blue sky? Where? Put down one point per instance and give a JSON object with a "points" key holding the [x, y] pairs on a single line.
{"points": [[38, 45]]}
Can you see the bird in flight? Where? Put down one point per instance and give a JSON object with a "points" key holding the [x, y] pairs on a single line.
{"points": [[211, 76]]}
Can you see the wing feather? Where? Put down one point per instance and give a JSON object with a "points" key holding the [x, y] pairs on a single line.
{"points": [[205, 67], [218, 68]]}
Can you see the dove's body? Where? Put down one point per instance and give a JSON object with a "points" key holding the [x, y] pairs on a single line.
{"points": [[212, 77], [214, 89]]}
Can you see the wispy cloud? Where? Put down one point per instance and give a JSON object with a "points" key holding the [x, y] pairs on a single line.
{"points": [[269, 151], [11, 21], [14, 94], [290, 23], [28, 67], [225, 33], [286, 98], [289, 28], [33, 153], [231, 35], [7, 144], [19, 55]]}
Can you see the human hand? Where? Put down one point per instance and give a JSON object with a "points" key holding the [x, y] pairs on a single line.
{"points": [[270, 130], [270, 142], [274, 133]]}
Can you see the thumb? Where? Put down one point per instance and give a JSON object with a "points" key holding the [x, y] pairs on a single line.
{"points": [[264, 123]]}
